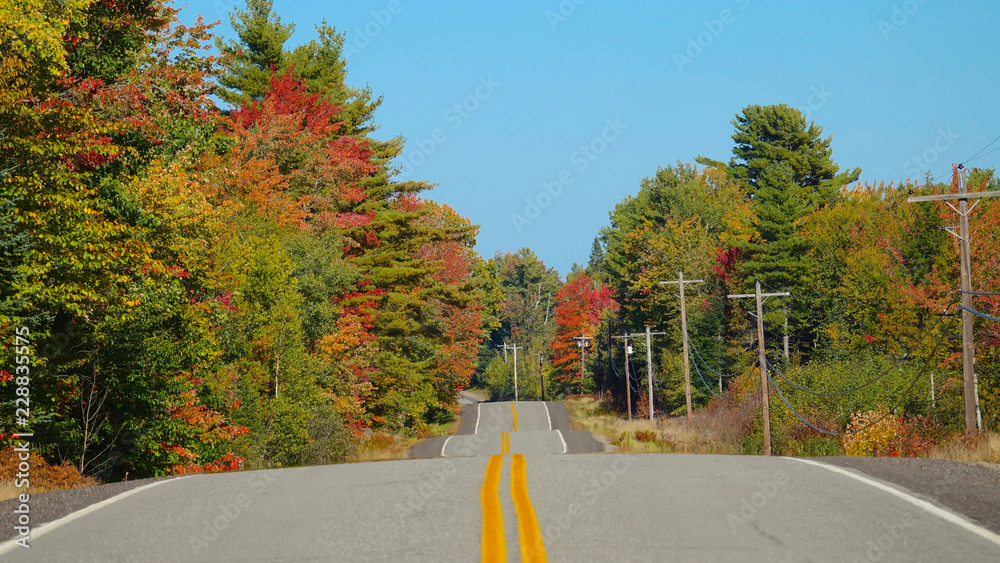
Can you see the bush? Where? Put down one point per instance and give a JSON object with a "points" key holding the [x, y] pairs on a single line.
{"points": [[44, 477], [645, 435], [832, 376], [329, 440], [816, 446], [499, 379], [880, 439]]}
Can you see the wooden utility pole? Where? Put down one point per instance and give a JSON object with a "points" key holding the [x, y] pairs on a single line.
{"points": [[970, 391], [583, 341], [684, 330], [515, 348], [649, 365], [933, 403], [763, 358], [628, 378], [541, 373]]}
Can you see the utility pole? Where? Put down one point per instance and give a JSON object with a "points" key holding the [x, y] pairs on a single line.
{"points": [[763, 358], [973, 417], [628, 378], [933, 404], [541, 373], [649, 364], [515, 348], [684, 330], [505, 351], [583, 341]]}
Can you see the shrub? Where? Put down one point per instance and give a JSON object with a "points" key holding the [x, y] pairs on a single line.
{"points": [[645, 435], [329, 439], [44, 477], [880, 439]]}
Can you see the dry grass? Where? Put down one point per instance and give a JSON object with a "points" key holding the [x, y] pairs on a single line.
{"points": [[43, 477], [385, 446], [970, 449], [8, 490], [643, 436]]}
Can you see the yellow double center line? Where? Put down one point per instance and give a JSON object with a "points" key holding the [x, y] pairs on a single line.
{"points": [[529, 534]]}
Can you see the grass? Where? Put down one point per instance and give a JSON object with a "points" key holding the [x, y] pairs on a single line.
{"points": [[43, 477], [385, 446], [642, 436], [714, 433], [984, 448]]}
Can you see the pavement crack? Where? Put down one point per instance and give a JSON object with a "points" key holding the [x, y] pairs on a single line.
{"points": [[767, 535]]}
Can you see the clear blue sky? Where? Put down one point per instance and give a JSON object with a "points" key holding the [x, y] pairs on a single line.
{"points": [[534, 82]]}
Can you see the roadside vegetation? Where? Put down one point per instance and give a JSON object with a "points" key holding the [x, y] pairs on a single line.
{"points": [[43, 476], [716, 430]]}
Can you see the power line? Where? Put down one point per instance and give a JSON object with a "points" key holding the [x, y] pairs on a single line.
{"points": [[870, 381], [981, 150], [702, 378], [981, 156], [708, 367], [978, 314], [765, 407], [976, 156], [698, 371], [980, 293], [891, 412]]}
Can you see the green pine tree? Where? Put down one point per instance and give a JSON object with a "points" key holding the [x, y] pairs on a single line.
{"points": [[259, 52]]}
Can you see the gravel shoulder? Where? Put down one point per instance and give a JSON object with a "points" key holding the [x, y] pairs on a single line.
{"points": [[46, 507], [969, 489]]}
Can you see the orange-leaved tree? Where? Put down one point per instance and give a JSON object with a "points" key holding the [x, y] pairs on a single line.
{"points": [[580, 306]]}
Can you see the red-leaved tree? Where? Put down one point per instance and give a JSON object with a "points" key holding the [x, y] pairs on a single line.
{"points": [[581, 304]]}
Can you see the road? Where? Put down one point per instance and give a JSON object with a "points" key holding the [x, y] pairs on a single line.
{"points": [[507, 491]]}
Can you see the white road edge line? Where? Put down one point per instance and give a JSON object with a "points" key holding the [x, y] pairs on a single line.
{"points": [[547, 415], [49, 526], [563, 441], [943, 514], [479, 409], [445, 445]]}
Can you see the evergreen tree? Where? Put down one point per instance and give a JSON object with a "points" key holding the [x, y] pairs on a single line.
{"points": [[770, 135], [788, 171], [322, 65], [777, 255], [595, 266], [256, 56]]}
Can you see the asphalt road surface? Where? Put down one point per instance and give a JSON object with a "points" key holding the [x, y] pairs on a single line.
{"points": [[512, 490]]}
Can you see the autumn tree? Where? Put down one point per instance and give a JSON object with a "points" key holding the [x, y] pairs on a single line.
{"points": [[580, 307]]}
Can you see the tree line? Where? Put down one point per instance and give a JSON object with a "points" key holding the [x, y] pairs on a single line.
{"points": [[213, 288], [873, 284]]}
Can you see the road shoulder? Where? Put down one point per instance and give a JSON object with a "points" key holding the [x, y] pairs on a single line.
{"points": [[53, 505], [969, 489]]}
